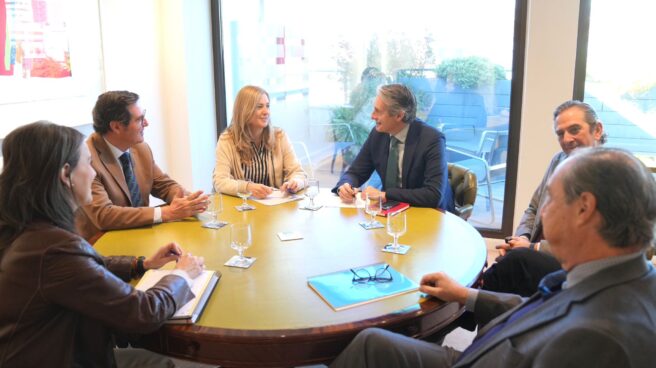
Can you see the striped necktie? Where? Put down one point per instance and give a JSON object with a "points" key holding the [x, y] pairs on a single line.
{"points": [[135, 194]]}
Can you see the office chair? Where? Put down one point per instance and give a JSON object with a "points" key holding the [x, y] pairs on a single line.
{"points": [[464, 185]]}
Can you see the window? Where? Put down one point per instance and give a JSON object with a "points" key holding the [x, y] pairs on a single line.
{"points": [[619, 77], [321, 65]]}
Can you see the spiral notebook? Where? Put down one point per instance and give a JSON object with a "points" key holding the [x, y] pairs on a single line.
{"points": [[339, 291]]}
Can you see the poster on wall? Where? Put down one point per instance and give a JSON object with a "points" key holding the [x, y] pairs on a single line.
{"points": [[34, 39], [50, 61]]}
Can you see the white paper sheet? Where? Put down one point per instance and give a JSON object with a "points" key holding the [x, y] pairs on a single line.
{"points": [[278, 197]]}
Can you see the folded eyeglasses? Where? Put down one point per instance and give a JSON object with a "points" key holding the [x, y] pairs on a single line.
{"points": [[363, 276]]}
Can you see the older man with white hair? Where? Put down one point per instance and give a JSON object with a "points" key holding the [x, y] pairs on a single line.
{"points": [[598, 311]]}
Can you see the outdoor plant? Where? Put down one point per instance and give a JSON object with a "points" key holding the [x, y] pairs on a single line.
{"points": [[343, 117], [470, 72]]}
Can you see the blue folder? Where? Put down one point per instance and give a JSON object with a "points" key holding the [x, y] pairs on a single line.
{"points": [[340, 292]]}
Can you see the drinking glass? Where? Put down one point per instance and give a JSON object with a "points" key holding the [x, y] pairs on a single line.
{"points": [[240, 240], [244, 192], [373, 204], [396, 226], [311, 191], [214, 208]]}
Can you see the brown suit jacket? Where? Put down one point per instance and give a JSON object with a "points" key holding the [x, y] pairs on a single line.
{"points": [[111, 208], [63, 302]]}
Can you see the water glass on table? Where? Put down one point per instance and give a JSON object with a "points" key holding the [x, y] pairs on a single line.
{"points": [[241, 239], [396, 227], [311, 191], [214, 208], [373, 206], [243, 192]]}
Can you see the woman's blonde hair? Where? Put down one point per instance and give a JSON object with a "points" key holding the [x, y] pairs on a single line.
{"points": [[244, 109]]}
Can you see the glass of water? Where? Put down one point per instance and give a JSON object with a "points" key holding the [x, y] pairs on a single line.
{"points": [[241, 239], [373, 204], [311, 191], [243, 192], [396, 227], [214, 208]]}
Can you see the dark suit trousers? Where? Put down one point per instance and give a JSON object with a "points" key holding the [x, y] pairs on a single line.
{"points": [[379, 348], [519, 272]]}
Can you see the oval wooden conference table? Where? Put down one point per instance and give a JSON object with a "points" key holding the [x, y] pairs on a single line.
{"points": [[267, 315]]}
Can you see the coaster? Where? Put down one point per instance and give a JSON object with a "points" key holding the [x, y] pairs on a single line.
{"points": [[371, 226], [214, 225], [234, 262], [243, 209], [290, 235], [402, 249]]}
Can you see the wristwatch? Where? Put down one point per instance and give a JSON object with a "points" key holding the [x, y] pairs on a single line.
{"points": [[140, 266]]}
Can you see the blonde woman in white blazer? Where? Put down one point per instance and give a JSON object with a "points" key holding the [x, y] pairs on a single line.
{"points": [[251, 153]]}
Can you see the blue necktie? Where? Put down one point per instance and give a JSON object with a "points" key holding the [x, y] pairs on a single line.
{"points": [[135, 194], [392, 174], [549, 286]]}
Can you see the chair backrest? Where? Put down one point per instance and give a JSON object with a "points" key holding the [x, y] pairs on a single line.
{"points": [[464, 185], [492, 145], [303, 156]]}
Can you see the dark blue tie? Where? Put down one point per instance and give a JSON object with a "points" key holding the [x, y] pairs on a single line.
{"points": [[392, 173], [135, 194], [549, 286]]}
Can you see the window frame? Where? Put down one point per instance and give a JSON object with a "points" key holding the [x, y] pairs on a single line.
{"points": [[581, 62], [517, 84]]}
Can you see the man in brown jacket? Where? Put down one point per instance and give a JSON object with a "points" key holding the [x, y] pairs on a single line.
{"points": [[127, 173]]}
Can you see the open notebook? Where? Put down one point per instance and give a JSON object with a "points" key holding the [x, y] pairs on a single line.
{"points": [[201, 286], [340, 291]]}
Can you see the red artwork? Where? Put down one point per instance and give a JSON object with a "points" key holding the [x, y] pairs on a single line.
{"points": [[33, 39]]}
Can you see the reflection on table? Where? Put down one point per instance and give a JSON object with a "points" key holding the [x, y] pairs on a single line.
{"points": [[268, 316]]}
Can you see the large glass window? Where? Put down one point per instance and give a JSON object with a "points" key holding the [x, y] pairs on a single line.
{"points": [[321, 64], [620, 80]]}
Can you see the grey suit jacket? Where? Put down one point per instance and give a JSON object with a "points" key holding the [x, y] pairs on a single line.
{"points": [[111, 206], [531, 223], [607, 320]]}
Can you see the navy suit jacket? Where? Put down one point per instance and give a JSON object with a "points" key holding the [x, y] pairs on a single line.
{"points": [[425, 177]]}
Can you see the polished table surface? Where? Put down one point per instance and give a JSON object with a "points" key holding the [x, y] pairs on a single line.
{"points": [[268, 316]]}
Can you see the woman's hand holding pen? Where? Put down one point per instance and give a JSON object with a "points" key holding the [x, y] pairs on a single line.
{"points": [[259, 191], [193, 265], [291, 186], [169, 252]]}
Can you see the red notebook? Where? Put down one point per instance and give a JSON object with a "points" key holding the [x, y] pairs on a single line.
{"points": [[393, 206]]}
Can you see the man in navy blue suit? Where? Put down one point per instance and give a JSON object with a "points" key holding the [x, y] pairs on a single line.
{"points": [[407, 154]]}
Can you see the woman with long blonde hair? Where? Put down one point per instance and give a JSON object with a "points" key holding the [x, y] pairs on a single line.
{"points": [[252, 154]]}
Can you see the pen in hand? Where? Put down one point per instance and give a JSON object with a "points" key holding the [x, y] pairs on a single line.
{"points": [[355, 195]]}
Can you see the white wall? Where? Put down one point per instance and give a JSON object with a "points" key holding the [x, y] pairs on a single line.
{"points": [[188, 79], [162, 51], [131, 59], [548, 81]]}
